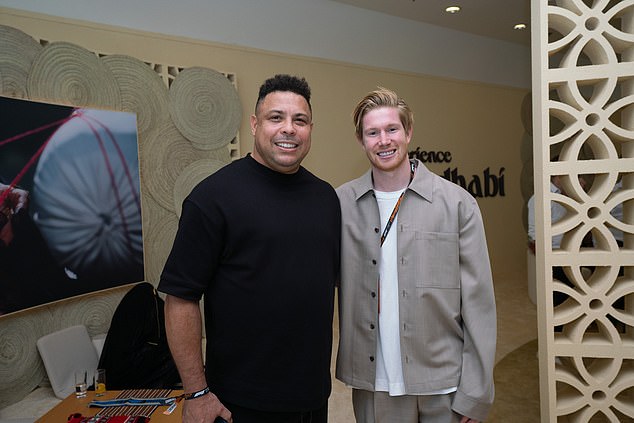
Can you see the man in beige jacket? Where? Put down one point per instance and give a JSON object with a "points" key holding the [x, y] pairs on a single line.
{"points": [[417, 310]]}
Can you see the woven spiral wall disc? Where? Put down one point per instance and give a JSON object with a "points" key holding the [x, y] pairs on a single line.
{"points": [[190, 177], [205, 107], [158, 241], [168, 155], [149, 137], [93, 311], [148, 207], [70, 74], [142, 90], [152, 214], [223, 154], [17, 53], [21, 368]]}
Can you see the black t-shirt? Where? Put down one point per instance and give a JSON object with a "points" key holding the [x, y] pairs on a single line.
{"points": [[263, 248]]}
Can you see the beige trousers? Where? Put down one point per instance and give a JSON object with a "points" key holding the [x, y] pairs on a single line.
{"points": [[379, 407]]}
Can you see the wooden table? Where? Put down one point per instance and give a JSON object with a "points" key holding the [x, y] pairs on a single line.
{"points": [[71, 404]]}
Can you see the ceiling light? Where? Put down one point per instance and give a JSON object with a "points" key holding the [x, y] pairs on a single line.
{"points": [[452, 9], [520, 26]]}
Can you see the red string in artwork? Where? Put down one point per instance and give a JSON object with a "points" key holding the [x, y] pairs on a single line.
{"points": [[113, 182], [91, 122], [33, 159]]}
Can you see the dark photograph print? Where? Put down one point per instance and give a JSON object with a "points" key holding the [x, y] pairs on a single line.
{"points": [[70, 204]]}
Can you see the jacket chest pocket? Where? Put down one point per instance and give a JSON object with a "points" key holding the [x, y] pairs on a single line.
{"points": [[437, 260]]}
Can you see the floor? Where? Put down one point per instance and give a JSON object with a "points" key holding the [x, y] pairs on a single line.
{"points": [[517, 325]]}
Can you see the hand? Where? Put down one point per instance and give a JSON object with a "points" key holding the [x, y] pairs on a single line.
{"points": [[16, 200], [205, 409]]}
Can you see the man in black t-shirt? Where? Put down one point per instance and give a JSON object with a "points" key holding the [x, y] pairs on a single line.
{"points": [[260, 240]]}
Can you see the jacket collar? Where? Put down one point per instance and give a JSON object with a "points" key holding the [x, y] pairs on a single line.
{"points": [[422, 184]]}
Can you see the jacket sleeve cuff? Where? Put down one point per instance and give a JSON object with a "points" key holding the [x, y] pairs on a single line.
{"points": [[470, 407]]}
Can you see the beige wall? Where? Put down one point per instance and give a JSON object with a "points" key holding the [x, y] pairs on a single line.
{"points": [[480, 124]]}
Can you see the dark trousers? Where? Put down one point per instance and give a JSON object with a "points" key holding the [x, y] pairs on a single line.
{"points": [[247, 415]]}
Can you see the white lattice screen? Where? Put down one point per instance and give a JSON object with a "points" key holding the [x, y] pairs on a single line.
{"points": [[583, 117]]}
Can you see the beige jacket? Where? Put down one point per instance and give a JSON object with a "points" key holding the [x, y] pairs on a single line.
{"points": [[446, 306]]}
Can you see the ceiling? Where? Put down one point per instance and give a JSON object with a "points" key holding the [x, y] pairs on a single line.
{"points": [[489, 18]]}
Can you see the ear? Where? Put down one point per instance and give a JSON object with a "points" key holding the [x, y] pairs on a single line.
{"points": [[409, 136], [254, 123]]}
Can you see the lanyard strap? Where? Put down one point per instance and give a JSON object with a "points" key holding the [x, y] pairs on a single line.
{"points": [[388, 225]]}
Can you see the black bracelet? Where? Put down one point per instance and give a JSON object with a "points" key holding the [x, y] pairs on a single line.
{"points": [[197, 394]]}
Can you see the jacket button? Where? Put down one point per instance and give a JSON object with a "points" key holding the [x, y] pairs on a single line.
{"points": [[373, 294], [371, 325], [373, 261], [371, 358], [376, 230]]}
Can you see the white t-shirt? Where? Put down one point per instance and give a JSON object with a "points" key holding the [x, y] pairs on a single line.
{"points": [[389, 368]]}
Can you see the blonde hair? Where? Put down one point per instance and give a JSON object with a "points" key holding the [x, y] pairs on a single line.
{"points": [[381, 97]]}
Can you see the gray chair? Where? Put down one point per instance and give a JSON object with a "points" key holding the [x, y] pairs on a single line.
{"points": [[64, 352]]}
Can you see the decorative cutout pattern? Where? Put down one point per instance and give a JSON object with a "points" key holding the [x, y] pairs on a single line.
{"points": [[586, 95]]}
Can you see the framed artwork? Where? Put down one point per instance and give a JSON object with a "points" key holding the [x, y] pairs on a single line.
{"points": [[70, 203]]}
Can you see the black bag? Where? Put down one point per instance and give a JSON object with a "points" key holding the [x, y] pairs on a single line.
{"points": [[135, 353]]}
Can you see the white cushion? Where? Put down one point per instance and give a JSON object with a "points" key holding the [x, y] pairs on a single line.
{"points": [[64, 352], [30, 408], [98, 341]]}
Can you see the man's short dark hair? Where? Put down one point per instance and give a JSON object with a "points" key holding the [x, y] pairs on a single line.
{"points": [[283, 82]]}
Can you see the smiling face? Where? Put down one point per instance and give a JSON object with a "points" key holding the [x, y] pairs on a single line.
{"points": [[384, 139], [281, 128]]}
